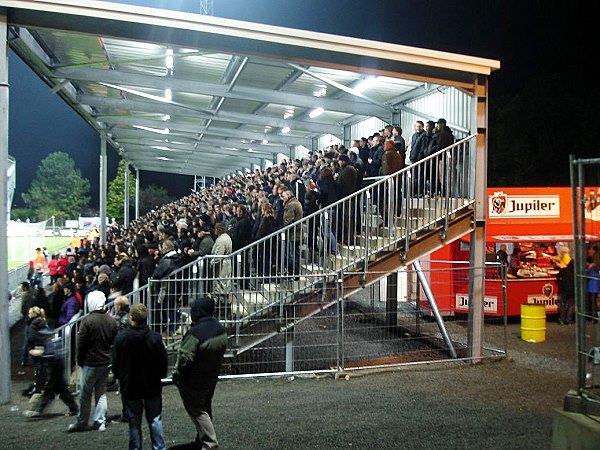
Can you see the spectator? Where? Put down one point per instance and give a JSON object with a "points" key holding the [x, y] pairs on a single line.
{"points": [[399, 142], [139, 361], [121, 305], [37, 278], [145, 264], [444, 138], [166, 299], [27, 298], [40, 258], [430, 145], [103, 284], [203, 243], [70, 305], [221, 267], [265, 257], [347, 181], [52, 359], [514, 263], [292, 212], [125, 274], [593, 288], [37, 321], [566, 294], [417, 151], [97, 332], [391, 161], [197, 369], [55, 299], [53, 268]]}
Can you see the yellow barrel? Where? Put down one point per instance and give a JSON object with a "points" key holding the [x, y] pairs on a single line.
{"points": [[533, 323]]}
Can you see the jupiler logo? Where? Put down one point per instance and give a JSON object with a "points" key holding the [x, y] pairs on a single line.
{"points": [[499, 202], [547, 290]]}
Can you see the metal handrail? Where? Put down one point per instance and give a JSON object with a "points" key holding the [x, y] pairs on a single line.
{"points": [[252, 292]]}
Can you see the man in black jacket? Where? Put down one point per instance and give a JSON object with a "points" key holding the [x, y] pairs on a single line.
{"points": [[125, 274], [94, 341], [139, 361], [197, 369]]}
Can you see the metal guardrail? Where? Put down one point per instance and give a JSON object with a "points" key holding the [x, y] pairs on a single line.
{"points": [[259, 289]]}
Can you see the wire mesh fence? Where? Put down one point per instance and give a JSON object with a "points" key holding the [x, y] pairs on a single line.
{"points": [[584, 296]]}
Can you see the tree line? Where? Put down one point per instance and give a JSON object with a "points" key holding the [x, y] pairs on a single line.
{"points": [[58, 189]]}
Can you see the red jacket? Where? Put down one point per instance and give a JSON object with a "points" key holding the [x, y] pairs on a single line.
{"points": [[63, 262], [52, 267]]}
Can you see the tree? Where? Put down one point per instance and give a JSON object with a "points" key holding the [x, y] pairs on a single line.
{"points": [[58, 189], [116, 192], [153, 196]]}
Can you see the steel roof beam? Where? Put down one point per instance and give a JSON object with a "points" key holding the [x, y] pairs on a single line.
{"points": [[220, 90], [176, 110], [186, 130]]}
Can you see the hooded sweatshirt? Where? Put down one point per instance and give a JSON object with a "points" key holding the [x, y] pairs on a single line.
{"points": [[200, 357], [96, 333]]}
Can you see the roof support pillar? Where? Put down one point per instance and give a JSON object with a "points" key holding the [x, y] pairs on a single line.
{"points": [[103, 174], [126, 197], [5, 380], [137, 194], [478, 170]]}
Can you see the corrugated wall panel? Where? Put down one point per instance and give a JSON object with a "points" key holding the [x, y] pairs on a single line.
{"points": [[365, 128], [452, 104]]}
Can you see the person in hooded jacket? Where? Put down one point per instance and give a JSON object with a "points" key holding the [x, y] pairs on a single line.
{"points": [[197, 369], [95, 337], [139, 362]]}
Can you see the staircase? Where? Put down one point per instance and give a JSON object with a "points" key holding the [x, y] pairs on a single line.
{"points": [[389, 224], [277, 282]]}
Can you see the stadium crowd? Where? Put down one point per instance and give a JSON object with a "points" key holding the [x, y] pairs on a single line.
{"points": [[219, 219]]}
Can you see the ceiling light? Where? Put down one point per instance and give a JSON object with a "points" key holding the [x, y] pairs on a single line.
{"points": [[316, 113], [153, 130], [166, 117], [289, 112], [265, 141], [168, 94], [250, 150], [320, 91], [365, 84], [169, 59], [285, 130], [163, 158]]}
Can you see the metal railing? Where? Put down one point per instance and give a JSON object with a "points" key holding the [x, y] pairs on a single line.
{"points": [[269, 286]]}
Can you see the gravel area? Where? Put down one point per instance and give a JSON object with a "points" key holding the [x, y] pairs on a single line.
{"points": [[497, 404]]}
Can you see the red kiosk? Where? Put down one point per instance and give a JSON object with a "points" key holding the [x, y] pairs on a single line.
{"points": [[539, 221]]}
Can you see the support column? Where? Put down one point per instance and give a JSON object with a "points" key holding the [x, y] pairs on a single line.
{"points": [[5, 380], [137, 194], [289, 349], [391, 303], [126, 197], [477, 244], [103, 174]]}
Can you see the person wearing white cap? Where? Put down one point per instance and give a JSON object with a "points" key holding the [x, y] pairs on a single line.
{"points": [[96, 334]]}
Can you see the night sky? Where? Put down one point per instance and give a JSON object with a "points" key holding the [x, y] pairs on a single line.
{"points": [[528, 37]]}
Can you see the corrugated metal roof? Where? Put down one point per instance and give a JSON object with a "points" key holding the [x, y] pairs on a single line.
{"points": [[188, 94]]}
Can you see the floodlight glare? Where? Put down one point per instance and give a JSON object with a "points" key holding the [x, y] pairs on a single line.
{"points": [[316, 113]]}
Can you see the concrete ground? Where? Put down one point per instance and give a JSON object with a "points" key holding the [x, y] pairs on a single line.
{"points": [[503, 404]]}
